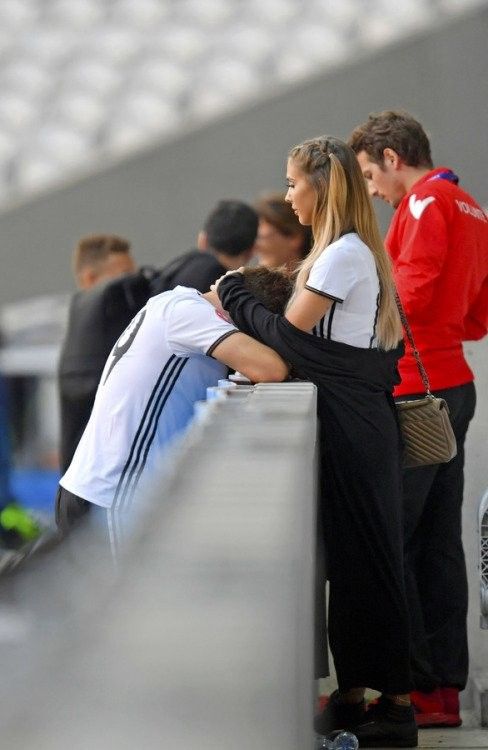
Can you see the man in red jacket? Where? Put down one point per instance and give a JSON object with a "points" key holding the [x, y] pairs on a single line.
{"points": [[438, 241]]}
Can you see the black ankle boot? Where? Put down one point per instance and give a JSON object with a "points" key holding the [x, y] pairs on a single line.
{"points": [[387, 724], [339, 715]]}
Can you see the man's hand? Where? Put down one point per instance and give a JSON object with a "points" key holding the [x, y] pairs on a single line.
{"points": [[214, 287]]}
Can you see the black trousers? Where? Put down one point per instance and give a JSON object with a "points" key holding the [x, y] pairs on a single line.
{"points": [[361, 515], [435, 569]]}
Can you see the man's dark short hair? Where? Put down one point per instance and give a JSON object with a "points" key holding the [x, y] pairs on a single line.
{"points": [[271, 287], [397, 130], [231, 227]]}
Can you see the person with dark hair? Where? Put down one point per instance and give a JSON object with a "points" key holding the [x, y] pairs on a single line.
{"points": [[438, 240], [342, 331], [178, 344], [99, 257], [111, 293], [401, 131], [97, 260], [225, 241], [282, 242]]}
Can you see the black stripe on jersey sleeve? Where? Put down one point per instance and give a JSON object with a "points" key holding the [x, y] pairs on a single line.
{"points": [[323, 294], [321, 329], [219, 341], [329, 323]]}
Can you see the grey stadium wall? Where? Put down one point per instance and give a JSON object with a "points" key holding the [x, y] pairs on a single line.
{"points": [[159, 198]]}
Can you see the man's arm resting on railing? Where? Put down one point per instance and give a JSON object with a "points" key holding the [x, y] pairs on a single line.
{"points": [[256, 361]]}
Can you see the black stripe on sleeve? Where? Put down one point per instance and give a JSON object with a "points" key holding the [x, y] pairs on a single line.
{"points": [[219, 341], [375, 321], [322, 321], [323, 294], [329, 324]]}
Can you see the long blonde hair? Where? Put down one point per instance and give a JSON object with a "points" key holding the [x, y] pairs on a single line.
{"points": [[343, 205]]}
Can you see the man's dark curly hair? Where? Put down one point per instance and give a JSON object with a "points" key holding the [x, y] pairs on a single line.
{"points": [[271, 287]]}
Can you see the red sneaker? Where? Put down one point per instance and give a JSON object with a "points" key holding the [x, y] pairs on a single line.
{"points": [[322, 701], [450, 696], [430, 710]]}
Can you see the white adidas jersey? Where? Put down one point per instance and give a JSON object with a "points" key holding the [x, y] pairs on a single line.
{"points": [[346, 273], [151, 380]]}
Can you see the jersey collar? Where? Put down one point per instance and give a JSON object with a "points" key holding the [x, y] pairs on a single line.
{"points": [[439, 173]]}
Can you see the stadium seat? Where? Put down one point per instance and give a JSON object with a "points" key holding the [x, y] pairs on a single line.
{"points": [[103, 78]]}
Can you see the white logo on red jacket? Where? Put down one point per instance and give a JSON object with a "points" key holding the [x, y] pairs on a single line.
{"points": [[467, 208], [417, 207]]}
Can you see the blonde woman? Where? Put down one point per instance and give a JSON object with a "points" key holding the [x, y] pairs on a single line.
{"points": [[342, 331]]}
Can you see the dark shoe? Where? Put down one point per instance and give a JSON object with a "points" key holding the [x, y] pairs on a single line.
{"points": [[439, 708], [339, 715], [387, 724]]}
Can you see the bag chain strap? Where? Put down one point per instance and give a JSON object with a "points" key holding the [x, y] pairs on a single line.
{"points": [[408, 331]]}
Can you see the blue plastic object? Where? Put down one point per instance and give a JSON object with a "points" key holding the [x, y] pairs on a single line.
{"points": [[345, 741]]}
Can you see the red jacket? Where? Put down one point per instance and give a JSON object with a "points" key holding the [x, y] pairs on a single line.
{"points": [[438, 241]]}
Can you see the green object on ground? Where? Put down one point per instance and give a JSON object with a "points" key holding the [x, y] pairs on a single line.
{"points": [[17, 519]]}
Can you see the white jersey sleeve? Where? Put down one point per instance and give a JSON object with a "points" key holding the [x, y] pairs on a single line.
{"points": [[196, 327], [334, 273]]}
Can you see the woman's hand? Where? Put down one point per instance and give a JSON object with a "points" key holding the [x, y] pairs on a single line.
{"points": [[214, 287]]}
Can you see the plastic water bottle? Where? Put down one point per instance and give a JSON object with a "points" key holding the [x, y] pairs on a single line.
{"points": [[215, 393], [239, 379], [322, 743], [226, 384], [200, 409], [345, 741]]}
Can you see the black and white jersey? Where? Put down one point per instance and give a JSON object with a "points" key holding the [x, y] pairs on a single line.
{"points": [[151, 380], [346, 273]]}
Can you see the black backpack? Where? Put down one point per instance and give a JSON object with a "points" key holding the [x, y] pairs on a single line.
{"points": [[164, 279]]}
